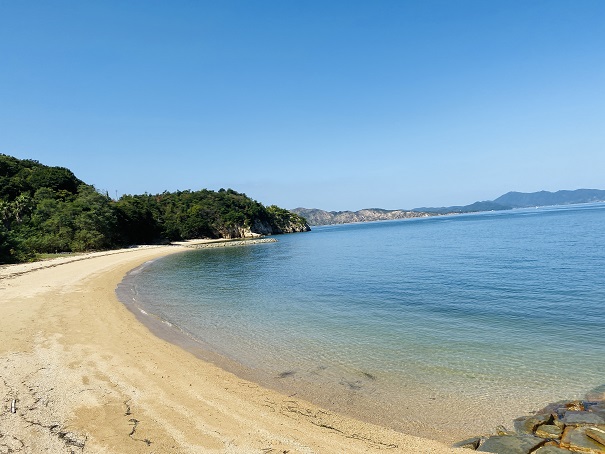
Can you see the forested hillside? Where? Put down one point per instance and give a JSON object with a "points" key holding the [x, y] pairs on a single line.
{"points": [[48, 210]]}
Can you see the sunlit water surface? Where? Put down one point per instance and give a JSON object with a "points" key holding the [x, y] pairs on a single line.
{"points": [[442, 326]]}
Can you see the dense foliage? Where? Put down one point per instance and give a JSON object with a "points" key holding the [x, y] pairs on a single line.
{"points": [[48, 210]]}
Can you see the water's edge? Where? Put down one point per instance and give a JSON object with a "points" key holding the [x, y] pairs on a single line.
{"points": [[365, 321], [350, 402]]}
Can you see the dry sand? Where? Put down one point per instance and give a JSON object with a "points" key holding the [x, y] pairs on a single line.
{"points": [[86, 376]]}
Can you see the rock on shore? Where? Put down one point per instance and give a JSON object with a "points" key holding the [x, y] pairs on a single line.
{"points": [[561, 427]]}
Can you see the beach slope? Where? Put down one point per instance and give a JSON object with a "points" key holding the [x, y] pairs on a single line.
{"points": [[79, 373]]}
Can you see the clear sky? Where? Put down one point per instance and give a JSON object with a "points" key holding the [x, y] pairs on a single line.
{"points": [[322, 104]]}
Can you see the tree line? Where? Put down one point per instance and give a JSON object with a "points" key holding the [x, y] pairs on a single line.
{"points": [[47, 209]]}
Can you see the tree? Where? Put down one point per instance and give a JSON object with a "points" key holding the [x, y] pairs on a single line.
{"points": [[47, 209]]}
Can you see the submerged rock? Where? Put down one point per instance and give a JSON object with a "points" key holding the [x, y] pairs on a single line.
{"points": [[597, 393], [597, 406]]}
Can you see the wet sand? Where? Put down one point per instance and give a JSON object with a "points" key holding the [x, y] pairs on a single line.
{"points": [[85, 376]]}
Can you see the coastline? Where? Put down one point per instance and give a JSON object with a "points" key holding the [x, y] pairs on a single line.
{"points": [[86, 376], [447, 418]]}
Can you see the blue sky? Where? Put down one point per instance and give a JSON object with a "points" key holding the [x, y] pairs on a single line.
{"points": [[325, 104]]}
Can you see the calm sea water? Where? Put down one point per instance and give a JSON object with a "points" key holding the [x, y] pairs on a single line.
{"points": [[481, 316]]}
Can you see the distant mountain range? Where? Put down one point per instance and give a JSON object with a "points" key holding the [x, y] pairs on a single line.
{"points": [[321, 217], [507, 201]]}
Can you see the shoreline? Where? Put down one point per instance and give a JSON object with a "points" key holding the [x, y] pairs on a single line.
{"points": [[87, 376], [447, 418], [427, 409]]}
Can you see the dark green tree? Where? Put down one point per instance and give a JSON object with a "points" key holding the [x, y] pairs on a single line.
{"points": [[48, 210]]}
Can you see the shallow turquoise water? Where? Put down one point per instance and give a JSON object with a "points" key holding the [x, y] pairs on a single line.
{"points": [[491, 309]]}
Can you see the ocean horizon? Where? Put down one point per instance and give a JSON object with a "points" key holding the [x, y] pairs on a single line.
{"points": [[441, 327]]}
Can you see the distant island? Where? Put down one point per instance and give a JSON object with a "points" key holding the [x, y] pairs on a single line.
{"points": [[48, 210], [508, 201]]}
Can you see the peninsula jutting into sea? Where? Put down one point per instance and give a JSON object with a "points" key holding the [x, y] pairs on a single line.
{"points": [[48, 210]]}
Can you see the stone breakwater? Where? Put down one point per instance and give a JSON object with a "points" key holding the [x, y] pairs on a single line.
{"points": [[561, 427], [231, 243]]}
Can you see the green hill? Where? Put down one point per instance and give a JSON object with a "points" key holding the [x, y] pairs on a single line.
{"points": [[49, 210]]}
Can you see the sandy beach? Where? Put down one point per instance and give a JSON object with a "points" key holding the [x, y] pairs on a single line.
{"points": [[83, 375]]}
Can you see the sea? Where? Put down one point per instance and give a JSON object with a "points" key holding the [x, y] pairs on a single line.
{"points": [[442, 327]]}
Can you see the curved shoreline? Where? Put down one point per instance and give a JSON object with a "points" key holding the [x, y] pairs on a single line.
{"points": [[411, 409], [86, 376]]}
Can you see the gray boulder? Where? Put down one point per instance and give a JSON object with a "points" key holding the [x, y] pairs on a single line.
{"points": [[528, 424], [583, 418], [511, 444], [575, 439]]}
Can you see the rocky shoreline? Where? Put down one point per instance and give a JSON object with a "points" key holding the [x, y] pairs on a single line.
{"points": [[559, 428]]}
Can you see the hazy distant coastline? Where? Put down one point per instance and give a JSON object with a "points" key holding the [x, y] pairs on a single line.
{"points": [[508, 201]]}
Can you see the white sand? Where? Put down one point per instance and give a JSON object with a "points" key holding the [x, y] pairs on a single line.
{"points": [[86, 376]]}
